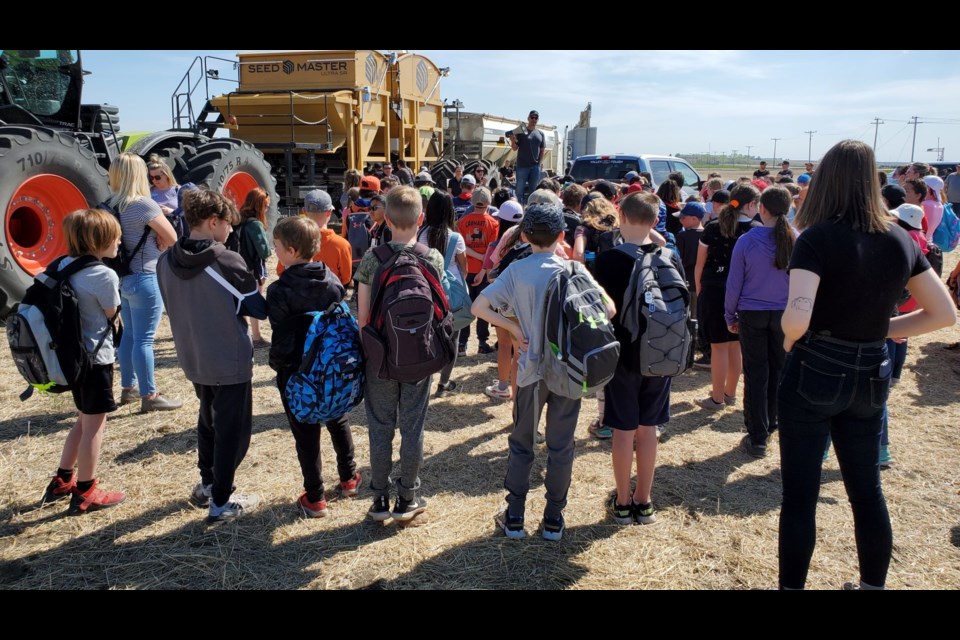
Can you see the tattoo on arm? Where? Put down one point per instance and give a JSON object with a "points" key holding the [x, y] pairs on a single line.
{"points": [[801, 304]]}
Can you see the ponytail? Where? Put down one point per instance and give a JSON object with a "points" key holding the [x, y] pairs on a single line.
{"points": [[783, 235], [740, 196], [776, 201]]}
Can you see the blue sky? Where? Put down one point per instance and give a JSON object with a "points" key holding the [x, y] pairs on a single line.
{"points": [[649, 101]]}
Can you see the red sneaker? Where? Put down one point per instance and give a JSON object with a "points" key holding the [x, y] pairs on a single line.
{"points": [[312, 509], [348, 488], [93, 499], [58, 489]]}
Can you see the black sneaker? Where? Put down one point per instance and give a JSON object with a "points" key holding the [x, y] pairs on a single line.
{"points": [[405, 510], [756, 450], [443, 389], [484, 349], [380, 509], [553, 529], [462, 351], [622, 514], [644, 513], [512, 525]]}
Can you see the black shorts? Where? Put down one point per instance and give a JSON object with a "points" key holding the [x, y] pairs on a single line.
{"points": [[95, 394], [710, 313], [631, 400]]}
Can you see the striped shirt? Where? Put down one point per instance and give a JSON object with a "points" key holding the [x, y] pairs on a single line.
{"points": [[133, 220]]}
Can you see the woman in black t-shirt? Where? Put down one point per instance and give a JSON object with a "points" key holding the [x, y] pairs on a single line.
{"points": [[713, 265], [848, 268]]}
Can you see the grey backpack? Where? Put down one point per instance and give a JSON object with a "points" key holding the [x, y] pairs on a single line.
{"points": [[657, 294], [580, 351]]}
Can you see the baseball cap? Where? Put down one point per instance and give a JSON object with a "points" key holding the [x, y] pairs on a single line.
{"points": [[803, 179], [694, 209], [533, 113], [911, 214], [934, 182], [369, 183], [548, 217], [721, 196], [424, 177], [317, 201], [468, 179], [631, 175], [607, 189], [511, 211]]}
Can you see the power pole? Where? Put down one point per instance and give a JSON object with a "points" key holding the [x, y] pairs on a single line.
{"points": [[775, 149], [914, 144], [876, 122], [749, 146], [810, 144]]}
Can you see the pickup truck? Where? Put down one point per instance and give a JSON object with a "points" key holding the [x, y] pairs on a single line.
{"points": [[615, 167]]}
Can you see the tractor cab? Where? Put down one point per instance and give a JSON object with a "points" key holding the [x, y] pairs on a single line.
{"points": [[41, 87]]}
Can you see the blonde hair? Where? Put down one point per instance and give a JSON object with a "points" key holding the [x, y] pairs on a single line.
{"points": [[90, 231], [299, 233], [404, 206], [154, 163], [128, 180], [600, 214]]}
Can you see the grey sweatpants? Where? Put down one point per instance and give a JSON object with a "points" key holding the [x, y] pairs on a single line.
{"points": [[562, 414], [390, 404]]}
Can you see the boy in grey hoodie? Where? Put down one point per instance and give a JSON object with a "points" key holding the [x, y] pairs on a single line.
{"points": [[207, 291]]}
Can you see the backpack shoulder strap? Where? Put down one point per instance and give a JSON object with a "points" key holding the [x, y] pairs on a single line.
{"points": [[213, 273], [451, 249]]}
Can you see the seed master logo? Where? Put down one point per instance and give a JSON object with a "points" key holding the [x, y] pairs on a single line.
{"points": [[287, 67]]}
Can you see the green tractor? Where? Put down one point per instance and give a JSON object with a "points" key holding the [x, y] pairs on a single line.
{"points": [[55, 151]]}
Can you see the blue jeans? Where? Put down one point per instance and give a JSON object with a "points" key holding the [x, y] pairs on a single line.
{"points": [[833, 388], [527, 180], [898, 355], [142, 306]]}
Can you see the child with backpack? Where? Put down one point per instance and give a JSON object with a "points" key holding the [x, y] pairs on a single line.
{"points": [[91, 235], [636, 401], [208, 291], [303, 287], [357, 219], [521, 290], [755, 299], [400, 363], [255, 248], [439, 233], [713, 267]]}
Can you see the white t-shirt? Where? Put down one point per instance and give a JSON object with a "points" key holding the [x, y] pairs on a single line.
{"points": [[461, 249]]}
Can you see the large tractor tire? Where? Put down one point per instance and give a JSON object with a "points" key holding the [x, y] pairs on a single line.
{"points": [[44, 176], [233, 168]]}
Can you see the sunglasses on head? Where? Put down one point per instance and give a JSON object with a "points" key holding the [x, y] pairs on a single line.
{"points": [[154, 178]]}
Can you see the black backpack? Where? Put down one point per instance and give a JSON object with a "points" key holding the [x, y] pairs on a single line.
{"points": [[121, 264], [409, 335], [44, 332]]}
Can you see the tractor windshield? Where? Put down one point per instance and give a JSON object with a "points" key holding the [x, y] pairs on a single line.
{"points": [[38, 80]]}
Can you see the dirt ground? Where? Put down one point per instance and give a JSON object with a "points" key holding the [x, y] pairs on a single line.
{"points": [[718, 507]]}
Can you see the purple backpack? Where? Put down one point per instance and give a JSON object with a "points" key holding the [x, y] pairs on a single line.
{"points": [[410, 332]]}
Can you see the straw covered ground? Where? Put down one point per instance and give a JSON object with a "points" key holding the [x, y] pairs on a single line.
{"points": [[718, 507]]}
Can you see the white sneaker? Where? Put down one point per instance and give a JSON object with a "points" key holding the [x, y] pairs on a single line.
{"points": [[236, 507], [494, 391]]}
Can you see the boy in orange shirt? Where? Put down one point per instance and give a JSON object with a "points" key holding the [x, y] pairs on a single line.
{"points": [[334, 250], [478, 229]]}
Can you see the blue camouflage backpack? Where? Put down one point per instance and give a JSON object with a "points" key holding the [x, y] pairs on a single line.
{"points": [[329, 382], [456, 289]]}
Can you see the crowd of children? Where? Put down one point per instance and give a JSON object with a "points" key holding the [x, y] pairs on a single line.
{"points": [[732, 245]]}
